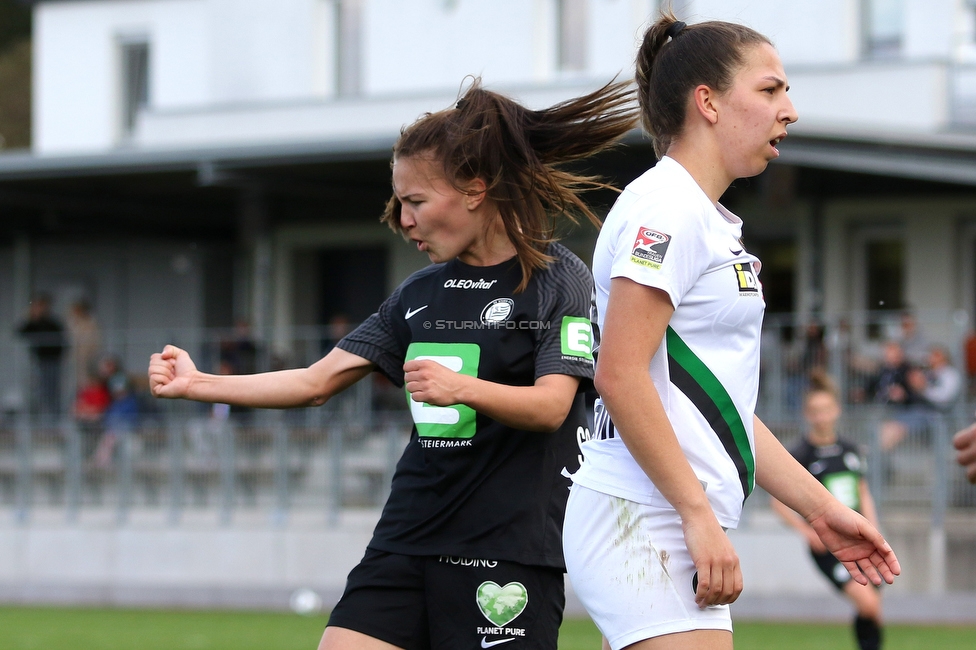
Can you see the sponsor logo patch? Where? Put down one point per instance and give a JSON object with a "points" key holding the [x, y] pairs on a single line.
{"points": [[481, 283], [746, 279], [502, 605], [650, 247], [457, 422], [576, 337]]}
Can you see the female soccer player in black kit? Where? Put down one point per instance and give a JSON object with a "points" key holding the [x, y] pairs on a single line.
{"points": [[492, 342], [837, 464]]}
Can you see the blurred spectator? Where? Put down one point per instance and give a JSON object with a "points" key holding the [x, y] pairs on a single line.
{"points": [[85, 340], [913, 340], [812, 357], [337, 327], [121, 419], [91, 402], [897, 387], [45, 338], [238, 353], [941, 383], [890, 383]]}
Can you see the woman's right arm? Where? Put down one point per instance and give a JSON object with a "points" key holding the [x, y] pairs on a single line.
{"points": [[636, 321], [173, 374]]}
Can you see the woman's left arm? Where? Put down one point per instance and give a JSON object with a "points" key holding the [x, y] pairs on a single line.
{"points": [[850, 537], [540, 407]]}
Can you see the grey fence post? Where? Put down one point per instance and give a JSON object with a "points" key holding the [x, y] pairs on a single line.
{"points": [[123, 484], [24, 479], [174, 431], [940, 497], [876, 460], [836, 349], [279, 442], [336, 431], [227, 465], [72, 469]]}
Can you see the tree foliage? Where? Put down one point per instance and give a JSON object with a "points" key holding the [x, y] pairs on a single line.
{"points": [[15, 74]]}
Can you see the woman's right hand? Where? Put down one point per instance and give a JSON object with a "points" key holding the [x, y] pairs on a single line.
{"points": [[171, 372], [719, 573]]}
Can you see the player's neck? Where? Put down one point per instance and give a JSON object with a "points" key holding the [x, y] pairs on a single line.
{"points": [[493, 247], [822, 438]]}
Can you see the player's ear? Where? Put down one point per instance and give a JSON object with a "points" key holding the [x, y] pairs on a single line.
{"points": [[476, 192], [704, 102]]}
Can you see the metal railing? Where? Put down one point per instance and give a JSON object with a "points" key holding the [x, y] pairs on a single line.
{"points": [[176, 457]]}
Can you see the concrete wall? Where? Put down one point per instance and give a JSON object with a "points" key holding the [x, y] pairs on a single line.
{"points": [[254, 565]]}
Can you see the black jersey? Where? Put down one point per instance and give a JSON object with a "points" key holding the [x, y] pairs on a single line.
{"points": [[838, 466], [467, 485]]}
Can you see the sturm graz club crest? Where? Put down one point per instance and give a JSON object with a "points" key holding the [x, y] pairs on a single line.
{"points": [[497, 311]]}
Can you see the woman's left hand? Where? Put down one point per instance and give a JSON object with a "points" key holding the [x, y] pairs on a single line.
{"points": [[430, 382], [856, 544]]}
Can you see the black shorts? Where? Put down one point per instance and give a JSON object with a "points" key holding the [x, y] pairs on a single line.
{"points": [[836, 572], [441, 602]]}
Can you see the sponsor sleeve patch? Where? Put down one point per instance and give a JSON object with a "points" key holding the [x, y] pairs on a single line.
{"points": [[650, 247], [576, 337]]}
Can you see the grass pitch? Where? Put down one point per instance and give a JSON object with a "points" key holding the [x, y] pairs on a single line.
{"points": [[36, 628]]}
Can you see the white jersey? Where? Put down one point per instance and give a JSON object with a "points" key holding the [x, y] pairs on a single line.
{"points": [[664, 232]]}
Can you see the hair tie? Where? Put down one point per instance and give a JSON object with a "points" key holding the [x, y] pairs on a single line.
{"points": [[461, 103], [674, 29]]}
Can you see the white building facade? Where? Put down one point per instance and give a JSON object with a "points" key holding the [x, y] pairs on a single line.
{"points": [[188, 77]]}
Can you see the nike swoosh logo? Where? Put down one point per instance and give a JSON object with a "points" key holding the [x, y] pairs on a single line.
{"points": [[412, 312], [736, 252], [485, 643]]}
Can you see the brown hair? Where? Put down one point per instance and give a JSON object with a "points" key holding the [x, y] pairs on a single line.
{"points": [[821, 382], [671, 65], [518, 152]]}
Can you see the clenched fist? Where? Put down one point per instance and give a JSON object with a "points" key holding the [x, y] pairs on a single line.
{"points": [[171, 372]]}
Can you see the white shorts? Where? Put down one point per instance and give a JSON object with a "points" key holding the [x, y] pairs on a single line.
{"points": [[630, 568]]}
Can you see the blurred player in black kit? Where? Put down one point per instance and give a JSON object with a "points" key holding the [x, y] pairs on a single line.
{"points": [[837, 464], [494, 346]]}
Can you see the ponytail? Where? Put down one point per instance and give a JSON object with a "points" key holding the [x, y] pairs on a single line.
{"points": [[518, 153]]}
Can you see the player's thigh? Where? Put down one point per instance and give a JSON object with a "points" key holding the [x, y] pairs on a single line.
{"points": [[480, 603], [631, 569], [384, 601], [693, 640], [339, 638]]}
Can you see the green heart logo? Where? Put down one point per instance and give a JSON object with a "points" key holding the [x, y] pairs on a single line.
{"points": [[501, 605]]}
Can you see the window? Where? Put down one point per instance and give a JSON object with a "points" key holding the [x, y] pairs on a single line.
{"points": [[883, 26], [135, 82], [349, 29], [885, 273], [572, 24], [884, 281]]}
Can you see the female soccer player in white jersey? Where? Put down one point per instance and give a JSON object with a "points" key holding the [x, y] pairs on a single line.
{"points": [[492, 343], [677, 447]]}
